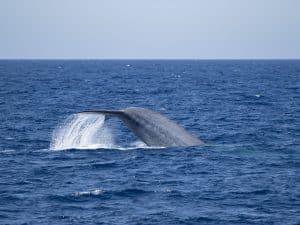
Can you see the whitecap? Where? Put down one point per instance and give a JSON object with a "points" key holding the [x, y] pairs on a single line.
{"points": [[89, 193], [7, 150], [9, 138]]}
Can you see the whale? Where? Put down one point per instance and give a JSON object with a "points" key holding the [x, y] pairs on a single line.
{"points": [[151, 127]]}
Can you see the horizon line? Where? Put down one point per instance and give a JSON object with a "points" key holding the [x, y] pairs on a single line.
{"points": [[142, 58]]}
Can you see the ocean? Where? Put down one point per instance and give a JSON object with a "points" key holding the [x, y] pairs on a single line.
{"points": [[59, 168]]}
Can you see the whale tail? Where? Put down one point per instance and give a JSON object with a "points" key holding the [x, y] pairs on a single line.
{"points": [[151, 127]]}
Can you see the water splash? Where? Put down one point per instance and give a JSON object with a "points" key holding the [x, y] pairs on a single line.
{"points": [[82, 131]]}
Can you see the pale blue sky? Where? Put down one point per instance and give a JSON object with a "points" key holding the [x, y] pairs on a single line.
{"points": [[150, 29]]}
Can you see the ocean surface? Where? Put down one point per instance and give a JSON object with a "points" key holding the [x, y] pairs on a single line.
{"points": [[57, 167]]}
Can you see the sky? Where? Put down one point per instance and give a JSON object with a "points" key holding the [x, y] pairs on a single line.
{"points": [[149, 29]]}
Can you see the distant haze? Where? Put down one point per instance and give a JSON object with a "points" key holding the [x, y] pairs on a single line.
{"points": [[150, 29]]}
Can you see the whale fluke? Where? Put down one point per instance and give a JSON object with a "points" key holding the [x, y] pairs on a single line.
{"points": [[151, 127]]}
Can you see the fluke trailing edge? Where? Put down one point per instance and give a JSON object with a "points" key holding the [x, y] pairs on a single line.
{"points": [[151, 127]]}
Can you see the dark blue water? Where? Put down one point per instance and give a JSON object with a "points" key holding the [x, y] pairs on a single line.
{"points": [[247, 112]]}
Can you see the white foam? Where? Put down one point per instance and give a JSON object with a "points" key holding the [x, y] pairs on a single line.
{"points": [[7, 150], [9, 138], [88, 193]]}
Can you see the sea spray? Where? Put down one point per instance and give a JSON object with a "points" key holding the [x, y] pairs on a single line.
{"points": [[82, 131]]}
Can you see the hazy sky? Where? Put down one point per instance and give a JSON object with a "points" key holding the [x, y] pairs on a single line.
{"points": [[150, 29]]}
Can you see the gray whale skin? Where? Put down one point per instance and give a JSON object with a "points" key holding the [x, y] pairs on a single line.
{"points": [[151, 127]]}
